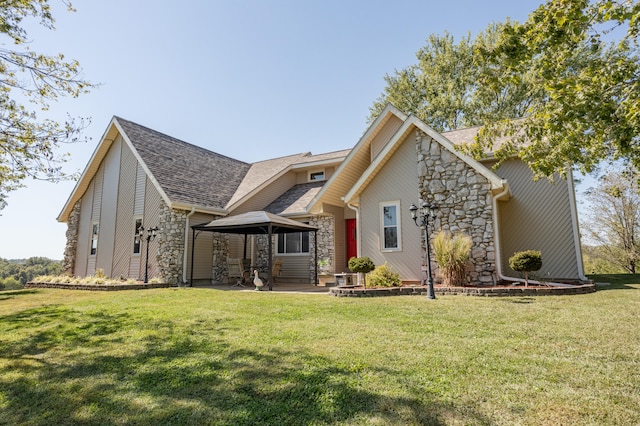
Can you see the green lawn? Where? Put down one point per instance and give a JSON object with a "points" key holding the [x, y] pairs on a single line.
{"points": [[198, 356]]}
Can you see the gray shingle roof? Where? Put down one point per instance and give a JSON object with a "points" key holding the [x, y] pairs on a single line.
{"points": [[296, 199], [187, 173]]}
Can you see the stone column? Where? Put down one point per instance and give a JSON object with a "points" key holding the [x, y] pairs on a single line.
{"points": [[171, 224], [70, 250], [463, 197]]}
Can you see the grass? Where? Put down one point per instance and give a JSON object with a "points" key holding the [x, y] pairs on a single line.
{"points": [[199, 356]]}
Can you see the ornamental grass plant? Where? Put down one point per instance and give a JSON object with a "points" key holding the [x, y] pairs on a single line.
{"points": [[452, 254]]}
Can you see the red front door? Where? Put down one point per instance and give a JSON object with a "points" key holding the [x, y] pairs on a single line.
{"points": [[352, 237]]}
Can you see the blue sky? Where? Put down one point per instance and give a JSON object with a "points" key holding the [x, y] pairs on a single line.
{"points": [[248, 79]]}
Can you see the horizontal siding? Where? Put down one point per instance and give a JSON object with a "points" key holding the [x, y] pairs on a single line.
{"points": [[397, 180], [203, 251], [384, 135], [152, 207], [123, 248], [295, 267]]}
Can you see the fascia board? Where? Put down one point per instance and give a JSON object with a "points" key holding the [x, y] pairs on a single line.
{"points": [[364, 141], [199, 209], [89, 171]]}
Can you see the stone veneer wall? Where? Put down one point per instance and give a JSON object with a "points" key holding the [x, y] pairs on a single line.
{"points": [[326, 249], [70, 250], [219, 272], [171, 224], [463, 197]]}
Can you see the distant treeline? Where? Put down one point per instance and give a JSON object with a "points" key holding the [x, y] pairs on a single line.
{"points": [[15, 273]]}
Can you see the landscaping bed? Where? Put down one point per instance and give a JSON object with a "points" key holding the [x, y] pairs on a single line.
{"points": [[488, 291], [98, 287]]}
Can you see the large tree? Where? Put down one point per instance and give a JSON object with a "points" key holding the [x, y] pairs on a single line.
{"points": [[580, 59], [613, 220], [454, 86], [29, 82]]}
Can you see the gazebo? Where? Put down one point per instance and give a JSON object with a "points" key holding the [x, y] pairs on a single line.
{"points": [[255, 223]]}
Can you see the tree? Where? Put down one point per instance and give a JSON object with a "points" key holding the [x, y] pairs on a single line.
{"points": [[584, 91], [526, 261], [613, 220], [28, 142], [453, 86]]}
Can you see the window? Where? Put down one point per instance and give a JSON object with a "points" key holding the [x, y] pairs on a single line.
{"points": [[94, 238], [137, 223], [390, 226], [315, 176], [293, 243]]}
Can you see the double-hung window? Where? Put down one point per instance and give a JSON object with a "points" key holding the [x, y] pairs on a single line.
{"points": [[293, 243], [390, 226]]}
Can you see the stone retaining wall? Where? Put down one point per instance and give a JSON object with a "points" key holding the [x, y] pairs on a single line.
{"points": [[98, 287], [465, 291]]}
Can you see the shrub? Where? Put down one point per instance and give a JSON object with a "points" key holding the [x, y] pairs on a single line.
{"points": [[452, 254], [361, 264], [383, 276], [526, 261], [10, 283]]}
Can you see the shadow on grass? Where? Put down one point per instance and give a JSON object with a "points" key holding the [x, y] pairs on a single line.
{"points": [[86, 368], [617, 281], [12, 294]]}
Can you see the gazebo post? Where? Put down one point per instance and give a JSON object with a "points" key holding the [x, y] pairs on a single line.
{"points": [[315, 250], [193, 245], [270, 250]]}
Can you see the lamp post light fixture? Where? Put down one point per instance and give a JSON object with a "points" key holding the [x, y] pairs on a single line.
{"points": [[421, 218], [149, 235]]}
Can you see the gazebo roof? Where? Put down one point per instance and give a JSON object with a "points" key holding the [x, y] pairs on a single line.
{"points": [[257, 222]]}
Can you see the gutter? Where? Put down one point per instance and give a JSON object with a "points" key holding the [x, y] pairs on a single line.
{"points": [[186, 246]]}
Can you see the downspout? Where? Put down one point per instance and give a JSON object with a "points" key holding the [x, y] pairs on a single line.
{"points": [[358, 239], [186, 246], [576, 228], [496, 227]]}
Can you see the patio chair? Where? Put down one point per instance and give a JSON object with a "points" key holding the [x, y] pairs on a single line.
{"points": [[235, 269]]}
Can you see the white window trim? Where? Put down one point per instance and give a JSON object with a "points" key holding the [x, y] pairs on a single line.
{"points": [[384, 204], [133, 243]]}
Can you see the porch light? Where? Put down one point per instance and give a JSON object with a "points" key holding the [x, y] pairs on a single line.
{"points": [[148, 235], [421, 219]]}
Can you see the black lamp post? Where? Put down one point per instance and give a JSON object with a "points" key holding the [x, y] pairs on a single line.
{"points": [[421, 219], [149, 235]]}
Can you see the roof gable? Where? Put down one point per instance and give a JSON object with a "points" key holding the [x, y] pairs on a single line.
{"points": [[409, 125], [184, 174]]}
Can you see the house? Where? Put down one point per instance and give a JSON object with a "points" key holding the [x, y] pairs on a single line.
{"points": [[358, 199]]}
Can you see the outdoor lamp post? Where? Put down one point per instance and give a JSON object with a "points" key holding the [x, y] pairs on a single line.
{"points": [[149, 235], [421, 219]]}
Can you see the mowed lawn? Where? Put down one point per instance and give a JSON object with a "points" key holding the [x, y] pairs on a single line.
{"points": [[201, 356]]}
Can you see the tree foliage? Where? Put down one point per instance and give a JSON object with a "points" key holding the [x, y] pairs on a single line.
{"points": [[452, 86], [23, 271], [581, 62], [28, 142], [613, 220]]}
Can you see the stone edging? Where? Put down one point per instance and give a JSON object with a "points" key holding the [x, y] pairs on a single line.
{"points": [[98, 287], [465, 291]]}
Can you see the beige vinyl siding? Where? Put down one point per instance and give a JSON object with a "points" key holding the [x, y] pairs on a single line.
{"points": [[385, 134], [84, 229], [96, 210], [108, 208], [397, 181], [203, 252], [268, 194], [545, 209], [123, 248], [152, 207], [135, 263], [295, 267]]}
